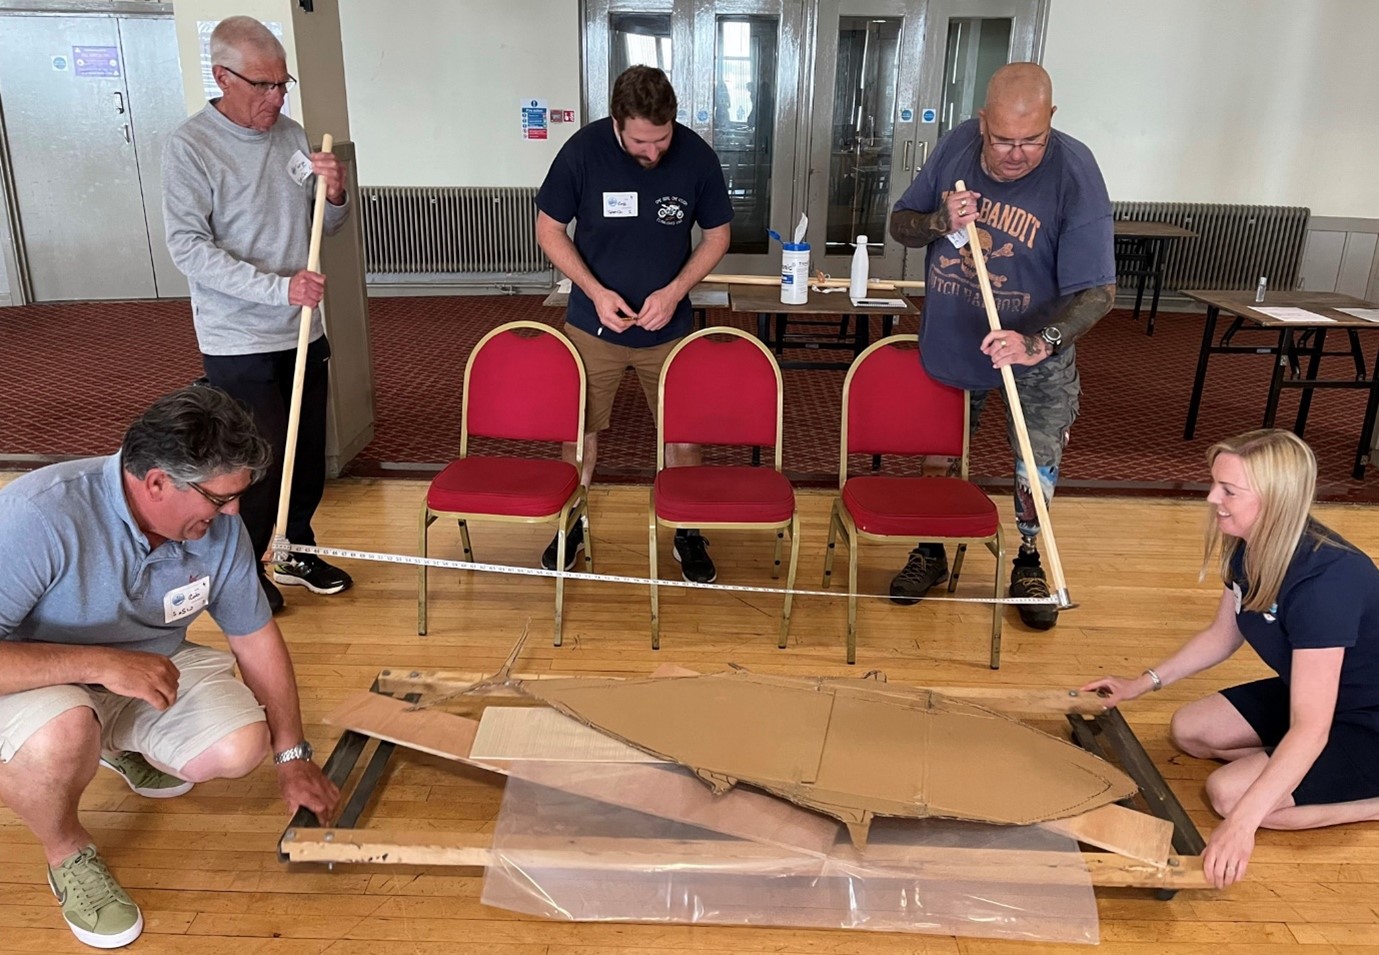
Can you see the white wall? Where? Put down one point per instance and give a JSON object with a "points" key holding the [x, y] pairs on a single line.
{"points": [[1259, 101], [434, 87]]}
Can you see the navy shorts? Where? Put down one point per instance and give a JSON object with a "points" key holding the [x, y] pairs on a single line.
{"points": [[1346, 770]]}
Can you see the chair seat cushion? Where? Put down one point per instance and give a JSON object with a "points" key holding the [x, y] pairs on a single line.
{"points": [[724, 495], [520, 487], [920, 507]]}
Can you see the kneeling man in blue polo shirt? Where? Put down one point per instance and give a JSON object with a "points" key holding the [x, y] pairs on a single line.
{"points": [[107, 562]]}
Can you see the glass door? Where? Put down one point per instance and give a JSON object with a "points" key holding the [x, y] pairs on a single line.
{"points": [[862, 135], [970, 40]]}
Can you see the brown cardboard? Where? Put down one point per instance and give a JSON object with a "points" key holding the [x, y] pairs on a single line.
{"points": [[849, 750]]}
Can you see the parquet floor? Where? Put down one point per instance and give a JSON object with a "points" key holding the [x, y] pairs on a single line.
{"points": [[203, 866]]}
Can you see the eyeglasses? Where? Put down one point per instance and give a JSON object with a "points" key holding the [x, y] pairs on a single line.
{"points": [[1005, 147], [264, 87], [221, 501]]}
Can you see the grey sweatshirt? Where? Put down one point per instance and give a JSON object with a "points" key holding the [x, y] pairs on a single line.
{"points": [[239, 228]]}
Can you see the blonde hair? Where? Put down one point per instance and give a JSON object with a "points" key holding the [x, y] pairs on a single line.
{"points": [[234, 36], [1282, 470]]}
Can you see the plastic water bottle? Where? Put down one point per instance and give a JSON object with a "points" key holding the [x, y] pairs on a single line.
{"points": [[857, 282], [794, 273], [1260, 288]]}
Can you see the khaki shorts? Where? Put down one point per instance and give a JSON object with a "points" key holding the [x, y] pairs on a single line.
{"points": [[210, 705], [604, 364]]}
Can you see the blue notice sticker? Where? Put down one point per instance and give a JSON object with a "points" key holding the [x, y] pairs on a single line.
{"points": [[96, 60], [60, 63], [929, 115], [907, 115], [702, 116]]}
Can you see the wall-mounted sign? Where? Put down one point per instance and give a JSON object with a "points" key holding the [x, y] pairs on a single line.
{"points": [[534, 119]]}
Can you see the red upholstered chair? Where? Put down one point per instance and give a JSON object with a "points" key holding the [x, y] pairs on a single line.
{"points": [[721, 386], [523, 381], [892, 407]]}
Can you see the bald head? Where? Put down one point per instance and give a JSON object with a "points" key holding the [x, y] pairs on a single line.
{"points": [[1017, 121]]}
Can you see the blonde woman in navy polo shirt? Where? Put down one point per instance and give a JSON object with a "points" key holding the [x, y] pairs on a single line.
{"points": [[1301, 748]]}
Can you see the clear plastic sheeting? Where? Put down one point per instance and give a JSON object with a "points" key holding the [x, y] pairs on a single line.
{"points": [[564, 856]]}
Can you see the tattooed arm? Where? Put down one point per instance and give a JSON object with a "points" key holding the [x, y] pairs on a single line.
{"points": [[917, 229], [1077, 316]]}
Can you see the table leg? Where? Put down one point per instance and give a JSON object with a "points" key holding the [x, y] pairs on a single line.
{"points": [[1281, 361], [863, 336], [1200, 378], [1157, 267], [888, 325], [1367, 429], [1314, 357], [1142, 255]]}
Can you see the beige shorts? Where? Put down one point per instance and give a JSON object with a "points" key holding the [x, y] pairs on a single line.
{"points": [[604, 364], [210, 705]]}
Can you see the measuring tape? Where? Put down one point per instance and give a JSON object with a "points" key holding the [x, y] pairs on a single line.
{"points": [[415, 561]]}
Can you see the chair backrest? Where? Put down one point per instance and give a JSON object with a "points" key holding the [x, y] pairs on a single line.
{"points": [[523, 380], [892, 406], [719, 386]]}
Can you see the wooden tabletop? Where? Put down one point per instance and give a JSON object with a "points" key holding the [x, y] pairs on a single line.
{"points": [[703, 295], [766, 298], [1130, 229], [1241, 302]]}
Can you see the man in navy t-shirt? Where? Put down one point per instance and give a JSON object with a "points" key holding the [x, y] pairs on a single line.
{"points": [[1044, 221], [635, 184]]}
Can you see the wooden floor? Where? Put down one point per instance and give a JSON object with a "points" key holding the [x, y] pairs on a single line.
{"points": [[203, 867]]}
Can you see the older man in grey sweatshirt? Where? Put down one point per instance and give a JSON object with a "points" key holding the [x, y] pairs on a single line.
{"points": [[237, 201]]}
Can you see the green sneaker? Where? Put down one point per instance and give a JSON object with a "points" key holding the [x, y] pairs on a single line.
{"points": [[98, 911], [143, 778]]}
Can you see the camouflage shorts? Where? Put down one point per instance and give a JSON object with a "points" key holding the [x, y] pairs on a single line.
{"points": [[1049, 395]]}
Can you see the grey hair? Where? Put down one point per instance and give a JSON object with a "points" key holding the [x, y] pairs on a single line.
{"points": [[193, 435], [235, 35]]}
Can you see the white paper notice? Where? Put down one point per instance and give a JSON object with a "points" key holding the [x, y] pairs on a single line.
{"points": [[1299, 316], [1368, 314]]}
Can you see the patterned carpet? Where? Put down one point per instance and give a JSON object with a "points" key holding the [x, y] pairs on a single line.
{"points": [[73, 375]]}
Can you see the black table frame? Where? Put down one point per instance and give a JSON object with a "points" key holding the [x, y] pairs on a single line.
{"points": [[773, 328], [1289, 350], [1149, 251]]}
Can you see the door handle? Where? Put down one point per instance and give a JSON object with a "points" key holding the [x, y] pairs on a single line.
{"points": [[905, 156], [923, 155], [119, 102], [128, 137]]}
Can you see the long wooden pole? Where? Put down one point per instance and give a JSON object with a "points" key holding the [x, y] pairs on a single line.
{"points": [[880, 284], [1017, 414], [294, 415]]}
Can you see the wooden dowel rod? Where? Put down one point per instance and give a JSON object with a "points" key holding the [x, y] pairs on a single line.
{"points": [[294, 415], [1017, 414]]}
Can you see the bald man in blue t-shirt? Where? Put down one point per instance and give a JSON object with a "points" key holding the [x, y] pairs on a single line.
{"points": [[1044, 223]]}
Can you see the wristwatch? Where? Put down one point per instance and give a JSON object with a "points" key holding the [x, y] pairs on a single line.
{"points": [[1052, 337], [302, 750]]}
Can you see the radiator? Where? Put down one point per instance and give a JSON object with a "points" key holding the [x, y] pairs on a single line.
{"points": [[450, 230], [1235, 244]]}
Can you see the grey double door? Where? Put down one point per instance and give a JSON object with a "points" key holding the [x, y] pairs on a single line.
{"points": [[825, 107], [87, 103]]}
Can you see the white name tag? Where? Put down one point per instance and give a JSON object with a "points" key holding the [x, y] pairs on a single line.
{"points": [[619, 205], [186, 600], [959, 238], [299, 167], [1239, 597]]}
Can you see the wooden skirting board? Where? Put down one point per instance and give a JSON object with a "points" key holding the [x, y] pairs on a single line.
{"points": [[1136, 848]]}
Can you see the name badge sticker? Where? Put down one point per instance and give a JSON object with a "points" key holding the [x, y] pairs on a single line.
{"points": [[619, 205], [184, 601], [299, 167]]}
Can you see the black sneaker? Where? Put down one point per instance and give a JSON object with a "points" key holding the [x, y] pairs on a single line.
{"points": [[574, 543], [926, 568], [692, 551], [272, 594], [1027, 580], [311, 572]]}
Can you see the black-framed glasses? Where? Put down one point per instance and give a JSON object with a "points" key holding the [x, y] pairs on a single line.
{"points": [[1005, 147], [220, 501], [264, 87]]}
